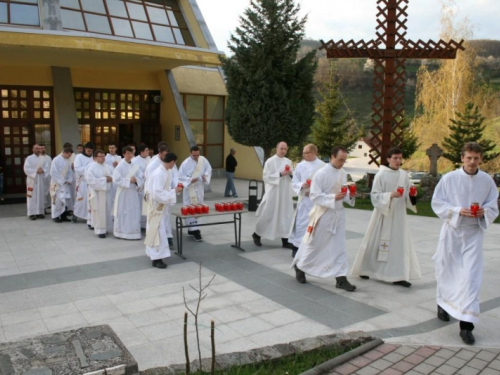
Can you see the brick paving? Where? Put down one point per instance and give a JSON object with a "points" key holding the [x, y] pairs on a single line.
{"points": [[393, 359]]}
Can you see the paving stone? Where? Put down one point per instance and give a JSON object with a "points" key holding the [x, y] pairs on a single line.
{"points": [[465, 354], [456, 362], [425, 351], [404, 350], [360, 361], [412, 372], [393, 357], [495, 365], [414, 359], [373, 355], [391, 371], [446, 370], [368, 371], [486, 356], [490, 371], [381, 364], [477, 363], [467, 370], [445, 353], [345, 369], [424, 368], [493, 350], [403, 366], [386, 348]]}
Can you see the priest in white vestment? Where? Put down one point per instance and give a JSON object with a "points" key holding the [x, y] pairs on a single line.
{"points": [[302, 176], [459, 255], [61, 185], [194, 173], [322, 252], [112, 158], [162, 193], [126, 209], [142, 160], [36, 170], [48, 161], [387, 251], [275, 212], [82, 160], [100, 183]]}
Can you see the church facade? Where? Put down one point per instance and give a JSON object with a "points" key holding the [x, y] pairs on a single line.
{"points": [[110, 71]]}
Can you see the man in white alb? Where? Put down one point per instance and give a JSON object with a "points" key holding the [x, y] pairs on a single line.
{"points": [[126, 210], [301, 183], [36, 171], [61, 185], [48, 161], [467, 202], [387, 251], [162, 195], [100, 182], [275, 212], [194, 173], [322, 252], [142, 160], [82, 160], [112, 158]]}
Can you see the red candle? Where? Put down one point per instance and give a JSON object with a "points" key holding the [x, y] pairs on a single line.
{"points": [[287, 167], [308, 182], [352, 189], [180, 185], [227, 206], [400, 190], [184, 211], [240, 206], [343, 189], [474, 207], [191, 210], [206, 209], [199, 209], [413, 190]]}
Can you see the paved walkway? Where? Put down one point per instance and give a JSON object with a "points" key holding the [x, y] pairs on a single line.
{"points": [[391, 359], [55, 277]]}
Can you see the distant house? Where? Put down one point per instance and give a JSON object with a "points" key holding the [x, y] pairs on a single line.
{"points": [[362, 148]]}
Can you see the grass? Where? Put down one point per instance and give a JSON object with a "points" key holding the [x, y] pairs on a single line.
{"points": [[423, 207]]}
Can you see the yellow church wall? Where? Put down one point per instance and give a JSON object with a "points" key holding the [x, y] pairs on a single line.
{"points": [[114, 79], [196, 32], [249, 166], [25, 76], [199, 81]]}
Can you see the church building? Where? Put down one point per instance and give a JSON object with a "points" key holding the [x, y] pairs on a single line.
{"points": [[110, 71]]}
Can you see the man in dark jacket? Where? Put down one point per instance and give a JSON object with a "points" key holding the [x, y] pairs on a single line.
{"points": [[231, 164]]}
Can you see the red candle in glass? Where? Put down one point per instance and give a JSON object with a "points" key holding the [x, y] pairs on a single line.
{"points": [[227, 206], [413, 190], [474, 207], [400, 190], [234, 206], [287, 167], [199, 209], [308, 182], [184, 211], [343, 189], [206, 209], [217, 206], [191, 210], [352, 189], [240, 206], [180, 185]]}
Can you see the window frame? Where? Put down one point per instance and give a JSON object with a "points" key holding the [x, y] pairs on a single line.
{"points": [[21, 2]]}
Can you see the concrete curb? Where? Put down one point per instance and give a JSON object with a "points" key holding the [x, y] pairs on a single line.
{"points": [[328, 365]]}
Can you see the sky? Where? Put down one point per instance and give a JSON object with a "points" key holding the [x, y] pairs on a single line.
{"points": [[355, 19]]}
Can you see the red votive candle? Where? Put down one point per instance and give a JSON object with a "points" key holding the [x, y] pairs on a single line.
{"points": [[400, 190]]}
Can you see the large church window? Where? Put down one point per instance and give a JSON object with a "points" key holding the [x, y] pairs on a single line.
{"points": [[20, 12]]}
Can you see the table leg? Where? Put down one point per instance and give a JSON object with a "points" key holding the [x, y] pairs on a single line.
{"points": [[237, 231], [178, 231]]}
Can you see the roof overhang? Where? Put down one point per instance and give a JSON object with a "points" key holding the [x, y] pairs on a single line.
{"points": [[91, 51]]}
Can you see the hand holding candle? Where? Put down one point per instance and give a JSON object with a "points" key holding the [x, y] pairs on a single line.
{"points": [[400, 190], [474, 208], [352, 190], [413, 191]]}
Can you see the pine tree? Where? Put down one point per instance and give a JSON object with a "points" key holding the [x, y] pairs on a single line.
{"points": [[468, 127], [410, 142], [333, 126], [270, 89]]}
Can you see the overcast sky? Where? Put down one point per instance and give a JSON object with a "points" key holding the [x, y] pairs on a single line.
{"points": [[355, 19]]}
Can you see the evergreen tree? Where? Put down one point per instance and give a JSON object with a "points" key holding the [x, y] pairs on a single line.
{"points": [[333, 126], [270, 89], [410, 142], [468, 127]]}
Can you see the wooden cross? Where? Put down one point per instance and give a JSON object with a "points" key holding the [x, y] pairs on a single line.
{"points": [[389, 72]]}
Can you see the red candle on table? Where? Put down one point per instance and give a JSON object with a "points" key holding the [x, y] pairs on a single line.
{"points": [[400, 190], [343, 189], [227, 206], [240, 206], [199, 209], [413, 190], [191, 210], [206, 209], [474, 207], [184, 211]]}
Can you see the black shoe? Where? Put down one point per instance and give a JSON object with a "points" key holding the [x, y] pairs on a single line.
{"points": [[294, 251], [235, 196], [73, 219], [443, 315], [57, 220], [40, 216], [191, 233], [404, 283], [90, 227], [171, 243], [65, 219], [159, 264], [101, 235], [32, 217], [256, 239], [285, 244], [467, 337], [365, 277], [300, 275], [342, 283], [197, 236]]}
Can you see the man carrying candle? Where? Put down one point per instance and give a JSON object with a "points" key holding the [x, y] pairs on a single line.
{"points": [[322, 252], [275, 212], [301, 184], [387, 251], [459, 255]]}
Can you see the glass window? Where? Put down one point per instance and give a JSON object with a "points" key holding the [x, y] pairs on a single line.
{"points": [[142, 30], [3, 13], [198, 131], [72, 20], [163, 34], [178, 36], [95, 6], [117, 8], [157, 15], [137, 12], [215, 107], [24, 14], [74, 4], [172, 18], [122, 27], [194, 104], [98, 24], [215, 132], [215, 155]]}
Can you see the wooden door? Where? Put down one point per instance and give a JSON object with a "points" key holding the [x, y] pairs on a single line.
{"points": [[104, 135], [15, 148]]}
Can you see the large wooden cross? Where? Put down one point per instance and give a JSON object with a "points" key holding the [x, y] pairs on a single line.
{"points": [[389, 72]]}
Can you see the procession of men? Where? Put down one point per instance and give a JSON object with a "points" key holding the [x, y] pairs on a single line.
{"points": [[111, 193]]}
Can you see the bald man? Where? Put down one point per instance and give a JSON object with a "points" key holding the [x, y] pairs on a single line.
{"points": [[275, 212]]}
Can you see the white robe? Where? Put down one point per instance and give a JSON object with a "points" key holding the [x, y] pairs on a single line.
{"points": [[459, 255], [304, 171], [127, 223], [81, 208], [110, 159], [158, 194], [185, 172], [143, 164], [275, 212], [402, 262], [323, 253], [64, 180], [36, 203], [96, 180], [48, 161]]}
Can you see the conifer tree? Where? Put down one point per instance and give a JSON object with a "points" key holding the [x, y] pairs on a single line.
{"points": [[410, 142], [270, 89], [468, 127]]}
